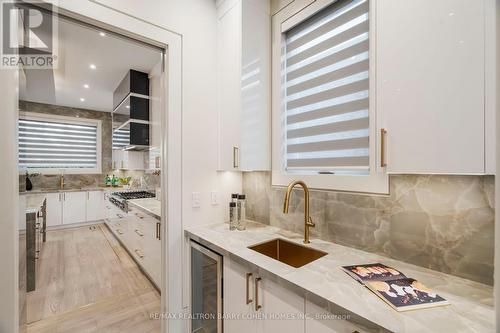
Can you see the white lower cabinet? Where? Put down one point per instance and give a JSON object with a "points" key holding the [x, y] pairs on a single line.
{"points": [[257, 304], [95, 205], [320, 320], [74, 207], [139, 234], [238, 297], [54, 209]]}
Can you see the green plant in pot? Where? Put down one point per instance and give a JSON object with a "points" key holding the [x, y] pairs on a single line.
{"points": [[125, 182]]}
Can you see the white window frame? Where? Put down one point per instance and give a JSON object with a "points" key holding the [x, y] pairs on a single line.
{"points": [[377, 181], [68, 120]]}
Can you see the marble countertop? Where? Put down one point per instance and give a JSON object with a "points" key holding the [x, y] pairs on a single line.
{"points": [[34, 203], [471, 308], [150, 206]]}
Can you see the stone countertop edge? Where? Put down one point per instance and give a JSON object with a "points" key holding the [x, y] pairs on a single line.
{"points": [[471, 308], [34, 203], [150, 206], [83, 189]]}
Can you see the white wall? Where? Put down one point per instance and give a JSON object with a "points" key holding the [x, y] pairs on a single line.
{"points": [[196, 21], [9, 202]]}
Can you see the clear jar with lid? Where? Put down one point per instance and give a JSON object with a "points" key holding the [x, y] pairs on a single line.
{"points": [[233, 216], [242, 222]]}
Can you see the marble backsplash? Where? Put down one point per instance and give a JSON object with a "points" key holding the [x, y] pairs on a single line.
{"points": [[445, 223], [140, 179]]}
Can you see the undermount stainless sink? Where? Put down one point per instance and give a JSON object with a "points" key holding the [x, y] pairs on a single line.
{"points": [[287, 252]]}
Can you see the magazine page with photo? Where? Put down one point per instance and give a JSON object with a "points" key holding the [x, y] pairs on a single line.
{"points": [[397, 290]]}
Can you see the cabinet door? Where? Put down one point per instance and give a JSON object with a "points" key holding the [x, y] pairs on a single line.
{"points": [[276, 300], [229, 87], [133, 160], [319, 320], [155, 93], [74, 207], [236, 284], [430, 84], [117, 156], [255, 86], [54, 209], [95, 205]]}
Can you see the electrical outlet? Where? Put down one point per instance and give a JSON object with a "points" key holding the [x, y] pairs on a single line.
{"points": [[215, 198], [196, 200]]}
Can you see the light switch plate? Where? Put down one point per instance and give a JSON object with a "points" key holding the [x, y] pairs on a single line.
{"points": [[196, 200], [215, 198]]}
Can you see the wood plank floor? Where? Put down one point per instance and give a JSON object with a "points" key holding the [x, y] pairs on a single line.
{"points": [[88, 283]]}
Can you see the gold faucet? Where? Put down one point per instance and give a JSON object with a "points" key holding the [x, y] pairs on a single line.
{"points": [[61, 182], [307, 219]]}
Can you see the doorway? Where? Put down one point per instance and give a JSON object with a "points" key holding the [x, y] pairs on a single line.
{"points": [[86, 257]]}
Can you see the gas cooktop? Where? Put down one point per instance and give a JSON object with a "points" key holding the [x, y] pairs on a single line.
{"points": [[134, 195]]}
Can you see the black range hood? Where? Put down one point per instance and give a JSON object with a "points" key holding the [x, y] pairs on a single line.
{"points": [[131, 112]]}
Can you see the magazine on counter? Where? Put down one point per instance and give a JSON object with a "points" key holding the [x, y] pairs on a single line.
{"points": [[392, 286]]}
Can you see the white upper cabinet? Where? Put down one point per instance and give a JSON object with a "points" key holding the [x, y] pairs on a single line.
{"points": [[432, 86], [243, 83], [155, 87], [128, 160]]}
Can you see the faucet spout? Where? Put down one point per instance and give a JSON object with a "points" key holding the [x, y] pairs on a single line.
{"points": [[61, 181], [308, 222]]}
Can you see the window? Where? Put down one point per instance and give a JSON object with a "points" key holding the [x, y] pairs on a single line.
{"points": [[324, 120], [54, 144]]}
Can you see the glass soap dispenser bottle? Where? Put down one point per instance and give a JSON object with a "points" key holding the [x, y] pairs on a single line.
{"points": [[242, 222]]}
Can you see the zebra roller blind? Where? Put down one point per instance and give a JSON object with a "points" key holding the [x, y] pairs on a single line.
{"points": [[53, 144], [326, 88]]}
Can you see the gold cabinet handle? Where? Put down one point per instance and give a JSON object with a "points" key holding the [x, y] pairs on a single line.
{"points": [[119, 216], [383, 133], [138, 252], [248, 299], [158, 230], [139, 216], [119, 231], [157, 162], [257, 305], [139, 232], [114, 165], [236, 156]]}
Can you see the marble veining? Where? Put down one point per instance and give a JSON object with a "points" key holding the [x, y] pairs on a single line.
{"points": [[471, 308], [445, 223], [150, 206]]}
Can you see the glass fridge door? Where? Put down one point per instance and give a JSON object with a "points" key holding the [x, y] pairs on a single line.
{"points": [[206, 290]]}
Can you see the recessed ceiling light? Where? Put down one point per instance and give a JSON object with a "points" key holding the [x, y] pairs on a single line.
{"points": [[127, 106], [86, 86], [82, 99], [92, 66], [102, 34]]}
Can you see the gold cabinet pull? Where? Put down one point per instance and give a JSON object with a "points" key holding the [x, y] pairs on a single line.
{"points": [[119, 231], [139, 232], [139, 216], [158, 230], [257, 305], [383, 133], [248, 299], [236, 163]]}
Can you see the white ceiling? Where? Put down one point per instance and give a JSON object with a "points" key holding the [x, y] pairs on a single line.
{"points": [[80, 46]]}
